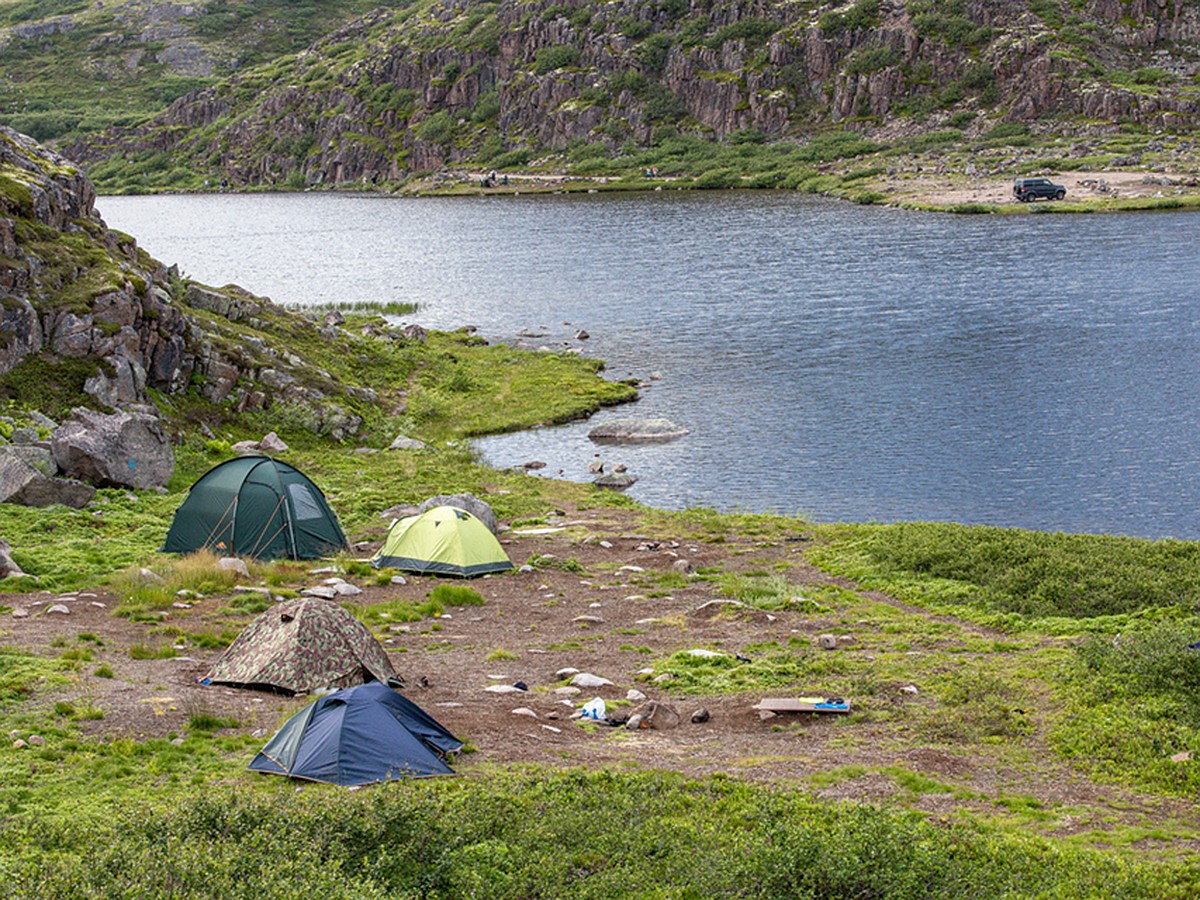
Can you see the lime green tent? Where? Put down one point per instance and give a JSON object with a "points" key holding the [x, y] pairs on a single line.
{"points": [[444, 540]]}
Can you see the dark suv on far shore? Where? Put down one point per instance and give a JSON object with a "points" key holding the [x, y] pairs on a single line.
{"points": [[1029, 189]]}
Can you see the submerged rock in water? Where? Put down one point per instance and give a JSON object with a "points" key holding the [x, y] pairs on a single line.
{"points": [[633, 431], [615, 482]]}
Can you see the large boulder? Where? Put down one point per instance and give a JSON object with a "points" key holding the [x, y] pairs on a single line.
{"points": [[121, 449], [22, 484], [469, 502], [36, 455], [636, 431]]}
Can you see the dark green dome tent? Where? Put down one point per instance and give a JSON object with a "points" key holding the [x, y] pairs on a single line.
{"points": [[258, 507]]}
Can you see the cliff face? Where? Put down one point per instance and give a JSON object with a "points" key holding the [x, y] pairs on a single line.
{"points": [[77, 290], [87, 300], [401, 91]]}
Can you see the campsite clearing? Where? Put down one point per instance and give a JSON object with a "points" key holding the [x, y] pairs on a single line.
{"points": [[629, 595]]}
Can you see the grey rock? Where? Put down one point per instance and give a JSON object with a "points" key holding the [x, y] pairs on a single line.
{"points": [[233, 564], [22, 484], [271, 443], [26, 434], [468, 502], [119, 449], [658, 715], [634, 431], [402, 442], [37, 455], [615, 481], [588, 680], [322, 591], [7, 566], [827, 641]]}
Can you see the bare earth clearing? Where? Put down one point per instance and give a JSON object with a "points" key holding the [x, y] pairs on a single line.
{"points": [[932, 189], [533, 617], [1082, 187]]}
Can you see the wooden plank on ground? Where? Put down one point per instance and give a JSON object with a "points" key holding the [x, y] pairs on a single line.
{"points": [[804, 704]]}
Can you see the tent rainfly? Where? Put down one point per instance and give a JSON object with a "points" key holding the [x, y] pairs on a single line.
{"points": [[258, 507], [360, 735], [444, 540], [302, 645]]}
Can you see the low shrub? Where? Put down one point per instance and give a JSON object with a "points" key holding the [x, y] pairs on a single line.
{"points": [[574, 834]]}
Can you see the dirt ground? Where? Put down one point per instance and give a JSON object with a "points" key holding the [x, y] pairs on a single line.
{"points": [[1084, 187], [929, 188], [529, 629]]}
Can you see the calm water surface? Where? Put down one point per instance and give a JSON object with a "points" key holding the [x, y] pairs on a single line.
{"points": [[834, 361]]}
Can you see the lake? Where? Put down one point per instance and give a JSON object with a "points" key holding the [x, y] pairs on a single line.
{"points": [[838, 362]]}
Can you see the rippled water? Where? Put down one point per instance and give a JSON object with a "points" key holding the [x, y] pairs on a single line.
{"points": [[841, 362]]}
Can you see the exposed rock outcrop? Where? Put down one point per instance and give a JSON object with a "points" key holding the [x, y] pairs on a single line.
{"points": [[390, 94], [91, 304]]}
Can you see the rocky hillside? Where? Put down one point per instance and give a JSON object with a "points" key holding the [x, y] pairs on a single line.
{"points": [[79, 65], [90, 316], [498, 84]]}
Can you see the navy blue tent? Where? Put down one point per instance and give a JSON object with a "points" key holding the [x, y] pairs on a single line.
{"points": [[361, 735]]}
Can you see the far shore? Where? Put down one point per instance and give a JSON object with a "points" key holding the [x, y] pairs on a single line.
{"points": [[1120, 190]]}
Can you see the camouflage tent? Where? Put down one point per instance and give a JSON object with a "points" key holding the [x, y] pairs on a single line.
{"points": [[302, 645]]}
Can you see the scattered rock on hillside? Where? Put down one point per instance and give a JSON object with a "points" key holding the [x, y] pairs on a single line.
{"points": [[233, 564], [127, 449], [402, 442], [588, 680], [7, 566], [24, 485], [469, 502]]}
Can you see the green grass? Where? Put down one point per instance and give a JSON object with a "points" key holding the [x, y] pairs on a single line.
{"points": [[570, 834], [1027, 573]]}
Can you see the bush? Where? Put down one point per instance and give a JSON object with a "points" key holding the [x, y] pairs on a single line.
{"points": [[497, 837], [558, 56], [754, 31], [1043, 574], [436, 129], [653, 52], [871, 59]]}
